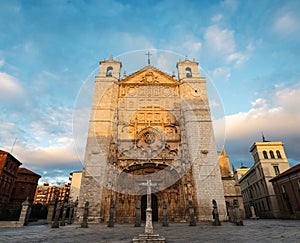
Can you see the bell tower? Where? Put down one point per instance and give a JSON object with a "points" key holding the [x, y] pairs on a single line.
{"points": [[200, 139], [100, 132], [110, 69], [187, 70]]}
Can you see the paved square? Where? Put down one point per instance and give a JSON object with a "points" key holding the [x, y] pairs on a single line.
{"points": [[252, 231]]}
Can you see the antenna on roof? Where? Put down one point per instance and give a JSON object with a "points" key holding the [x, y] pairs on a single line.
{"points": [[12, 147], [263, 137]]}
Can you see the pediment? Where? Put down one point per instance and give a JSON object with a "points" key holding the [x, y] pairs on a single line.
{"points": [[149, 75]]}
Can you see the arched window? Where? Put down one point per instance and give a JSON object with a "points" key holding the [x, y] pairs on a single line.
{"points": [[278, 154], [272, 154], [109, 71], [265, 154], [188, 72]]}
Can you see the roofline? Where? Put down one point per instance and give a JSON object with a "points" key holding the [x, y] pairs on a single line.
{"points": [[287, 172], [9, 154], [265, 143], [144, 69]]}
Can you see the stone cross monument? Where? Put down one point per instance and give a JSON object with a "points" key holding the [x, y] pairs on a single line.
{"points": [[148, 226], [148, 237]]}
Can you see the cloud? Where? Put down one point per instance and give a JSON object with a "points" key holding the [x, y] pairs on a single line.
{"points": [[45, 140], [220, 74], [11, 88], [238, 58], [2, 61], [277, 115], [230, 5], [220, 40], [222, 43], [50, 156], [286, 22], [216, 18], [134, 42]]}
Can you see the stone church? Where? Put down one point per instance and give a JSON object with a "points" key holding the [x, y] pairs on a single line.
{"points": [[150, 124]]}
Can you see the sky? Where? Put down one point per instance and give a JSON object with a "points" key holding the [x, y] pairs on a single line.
{"points": [[49, 50]]}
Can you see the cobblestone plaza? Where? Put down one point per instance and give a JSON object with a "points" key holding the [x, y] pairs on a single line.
{"points": [[252, 231]]}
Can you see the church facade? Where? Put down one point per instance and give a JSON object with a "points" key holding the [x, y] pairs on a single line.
{"points": [[150, 124]]}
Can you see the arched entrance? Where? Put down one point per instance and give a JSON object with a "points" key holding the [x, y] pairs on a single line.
{"points": [[154, 206]]}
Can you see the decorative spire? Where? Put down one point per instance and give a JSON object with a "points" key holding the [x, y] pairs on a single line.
{"points": [[223, 151]]}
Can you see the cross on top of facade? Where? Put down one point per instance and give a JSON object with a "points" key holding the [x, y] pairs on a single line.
{"points": [[148, 54]]}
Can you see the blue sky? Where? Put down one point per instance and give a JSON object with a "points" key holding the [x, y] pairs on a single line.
{"points": [[249, 49]]}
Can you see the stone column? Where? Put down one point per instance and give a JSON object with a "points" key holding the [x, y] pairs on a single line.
{"points": [[25, 212], [51, 210], [138, 214], [192, 214]]}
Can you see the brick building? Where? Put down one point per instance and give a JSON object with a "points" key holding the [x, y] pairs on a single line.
{"points": [[287, 189], [8, 174], [45, 194], [25, 186]]}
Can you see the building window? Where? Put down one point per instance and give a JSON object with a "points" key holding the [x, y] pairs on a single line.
{"points": [[30, 191], [188, 72], [109, 71], [272, 154], [22, 189], [278, 154], [265, 154], [276, 169]]}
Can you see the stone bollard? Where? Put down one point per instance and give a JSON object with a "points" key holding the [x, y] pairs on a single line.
{"points": [[165, 215], [71, 210], [55, 223], [111, 214], [84, 223], [253, 215], [25, 213], [138, 214], [192, 214], [50, 214], [63, 218], [215, 214], [230, 211], [238, 220]]}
